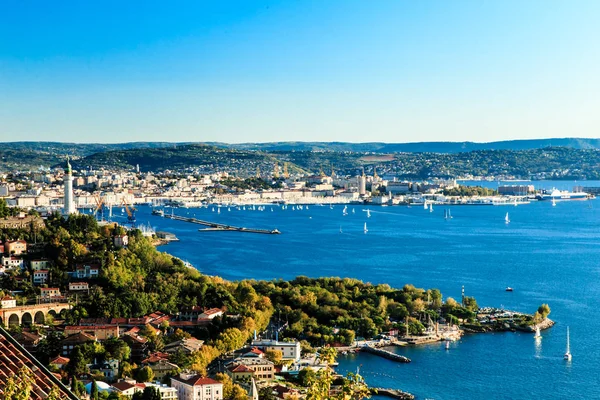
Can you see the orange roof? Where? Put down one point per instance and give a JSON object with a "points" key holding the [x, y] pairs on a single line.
{"points": [[59, 360], [197, 380]]}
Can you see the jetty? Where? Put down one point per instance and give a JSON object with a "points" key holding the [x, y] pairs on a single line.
{"points": [[216, 227], [385, 354], [392, 393]]}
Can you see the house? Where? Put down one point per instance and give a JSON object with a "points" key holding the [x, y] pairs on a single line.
{"points": [[70, 342], [166, 392], [36, 265], [127, 389], [101, 332], [290, 350], [15, 247], [257, 368], [59, 362], [138, 345], [283, 392], [41, 276], [12, 262], [28, 340], [8, 302], [211, 314], [194, 387], [87, 271], [109, 369], [78, 286], [14, 358], [161, 367], [121, 240], [50, 292], [188, 346], [190, 313]]}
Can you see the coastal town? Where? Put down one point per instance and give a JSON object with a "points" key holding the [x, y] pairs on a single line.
{"points": [[59, 266]]}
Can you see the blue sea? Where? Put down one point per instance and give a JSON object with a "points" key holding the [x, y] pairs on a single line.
{"points": [[547, 254]]}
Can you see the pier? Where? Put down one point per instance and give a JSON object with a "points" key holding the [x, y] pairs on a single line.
{"points": [[386, 354], [216, 227], [392, 393]]}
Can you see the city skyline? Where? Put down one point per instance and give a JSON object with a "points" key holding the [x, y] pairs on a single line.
{"points": [[305, 71]]}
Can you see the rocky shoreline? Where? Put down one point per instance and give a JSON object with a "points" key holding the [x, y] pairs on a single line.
{"points": [[507, 327]]}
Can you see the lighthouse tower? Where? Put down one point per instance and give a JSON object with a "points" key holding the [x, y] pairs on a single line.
{"points": [[69, 203]]}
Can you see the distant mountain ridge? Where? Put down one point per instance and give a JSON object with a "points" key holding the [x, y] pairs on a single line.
{"points": [[85, 149]]}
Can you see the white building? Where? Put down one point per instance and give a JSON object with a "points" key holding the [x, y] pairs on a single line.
{"points": [[195, 387], [8, 302], [290, 350], [69, 203]]}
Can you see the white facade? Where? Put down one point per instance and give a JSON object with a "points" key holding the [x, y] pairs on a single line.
{"points": [[290, 350], [8, 302], [194, 387]]}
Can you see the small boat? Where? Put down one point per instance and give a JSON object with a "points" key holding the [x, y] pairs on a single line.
{"points": [[425, 205], [219, 210], [568, 355], [368, 213], [345, 210], [213, 209], [353, 211], [506, 219], [365, 229], [447, 214], [447, 345], [122, 211], [537, 335], [509, 289], [553, 202], [430, 207]]}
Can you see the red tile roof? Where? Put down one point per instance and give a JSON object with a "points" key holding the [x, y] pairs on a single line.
{"points": [[197, 380], [13, 358]]}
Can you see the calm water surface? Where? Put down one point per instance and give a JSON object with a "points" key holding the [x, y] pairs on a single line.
{"points": [[547, 254]]}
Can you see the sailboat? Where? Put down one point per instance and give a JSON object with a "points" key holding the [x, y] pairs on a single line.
{"points": [[447, 345], [425, 205], [567, 355], [345, 211], [430, 207], [368, 213], [553, 202], [341, 229], [218, 210], [353, 211], [213, 209], [449, 214], [365, 229], [506, 219], [537, 335], [446, 214]]}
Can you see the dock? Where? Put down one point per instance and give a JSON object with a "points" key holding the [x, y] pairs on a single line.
{"points": [[392, 393], [216, 227], [385, 354]]}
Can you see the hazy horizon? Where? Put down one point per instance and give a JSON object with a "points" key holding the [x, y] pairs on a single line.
{"points": [[344, 71]]}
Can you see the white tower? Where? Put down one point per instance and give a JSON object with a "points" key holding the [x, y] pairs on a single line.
{"points": [[69, 204], [362, 184]]}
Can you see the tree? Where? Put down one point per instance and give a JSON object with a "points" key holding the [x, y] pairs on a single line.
{"points": [[354, 388], [275, 356], [149, 393], [77, 363], [117, 349], [94, 391], [544, 310], [145, 374]]}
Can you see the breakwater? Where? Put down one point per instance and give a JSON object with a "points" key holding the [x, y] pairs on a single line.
{"points": [[392, 393], [214, 226], [385, 354]]}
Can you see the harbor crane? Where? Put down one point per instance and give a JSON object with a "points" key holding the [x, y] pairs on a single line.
{"points": [[99, 204], [130, 214]]}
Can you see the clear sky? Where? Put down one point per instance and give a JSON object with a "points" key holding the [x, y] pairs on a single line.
{"points": [[325, 70]]}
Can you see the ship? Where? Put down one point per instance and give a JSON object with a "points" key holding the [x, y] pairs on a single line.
{"points": [[561, 195]]}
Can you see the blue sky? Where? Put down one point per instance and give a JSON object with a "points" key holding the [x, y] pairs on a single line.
{"points": [[394, 71]]}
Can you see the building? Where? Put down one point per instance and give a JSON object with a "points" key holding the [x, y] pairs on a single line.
{"points": [[101, 332], [59, 362], [515, 190], [15, 247], [41, 276], [188, 346], [69, 203], [289, 350], [138, 345], [12, 262], [90, 271], [211, 313], [14, 357], [69, 343], [28, 340], [8, 302], [394, 187], [77, 286], [109, 369], [49, 292], [194, 387], [36, 265], [258, 368], [121, 240], [160, 366]]}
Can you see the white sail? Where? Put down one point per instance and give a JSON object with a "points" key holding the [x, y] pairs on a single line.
{"points": [[430, 207], [553, 202], [366, 230], [368, 213], [506, 219]]}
